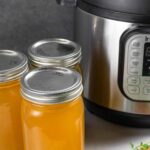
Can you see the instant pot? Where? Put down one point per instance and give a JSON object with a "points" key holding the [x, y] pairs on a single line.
{"points": [[115, 36]]}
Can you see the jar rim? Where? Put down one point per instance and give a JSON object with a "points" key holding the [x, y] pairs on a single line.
{"points": [[41, 56], [13, 65], [53, 85]]}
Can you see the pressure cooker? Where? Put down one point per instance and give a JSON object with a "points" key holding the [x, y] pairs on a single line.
{"points": [[115, 36]]}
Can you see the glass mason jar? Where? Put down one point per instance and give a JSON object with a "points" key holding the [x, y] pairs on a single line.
{"points": [[12, 66], [53, 110], [55, 52]]}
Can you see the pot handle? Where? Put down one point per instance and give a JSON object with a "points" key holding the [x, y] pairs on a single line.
{"points": [[67, 2]]}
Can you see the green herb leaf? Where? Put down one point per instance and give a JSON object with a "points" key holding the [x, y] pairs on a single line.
{"points": [[142, 146]]}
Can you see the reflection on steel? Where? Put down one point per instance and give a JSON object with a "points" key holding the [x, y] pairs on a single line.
{"points": [[100, 39]]}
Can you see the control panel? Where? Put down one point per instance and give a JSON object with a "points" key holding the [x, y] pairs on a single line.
{"points": [[136, 73]]}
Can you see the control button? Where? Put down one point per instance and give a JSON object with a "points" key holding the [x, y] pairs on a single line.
{"points": [[133, 89], [133, 81], [136, 44], [146, 81], [134, 63], [135, 53], [134, 71], [146, 90]]}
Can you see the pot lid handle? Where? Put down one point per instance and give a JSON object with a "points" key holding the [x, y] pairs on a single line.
{"points": [[67, 2]]}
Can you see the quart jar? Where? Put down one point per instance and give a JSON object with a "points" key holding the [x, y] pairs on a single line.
{"points": [[12, 66], [55, 52], [53, 110]]}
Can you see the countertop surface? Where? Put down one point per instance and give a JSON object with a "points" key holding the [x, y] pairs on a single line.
{"points": [[103, 135]]}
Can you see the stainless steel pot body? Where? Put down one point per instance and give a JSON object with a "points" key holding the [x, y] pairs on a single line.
{"points": [[100, 39]]}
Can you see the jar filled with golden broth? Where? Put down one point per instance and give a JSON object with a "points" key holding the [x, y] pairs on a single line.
{"points": [[53, 110], [12, 66], [55, 52]]}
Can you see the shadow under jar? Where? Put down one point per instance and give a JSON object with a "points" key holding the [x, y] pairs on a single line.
{"points": [[12, 66], [55, 53], [53, 110]]}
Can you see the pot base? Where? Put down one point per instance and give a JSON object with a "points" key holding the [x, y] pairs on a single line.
{"points": [[122, 118]]}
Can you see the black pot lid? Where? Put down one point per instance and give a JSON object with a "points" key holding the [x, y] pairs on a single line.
{"points": [[140, 7], [126, 10]]}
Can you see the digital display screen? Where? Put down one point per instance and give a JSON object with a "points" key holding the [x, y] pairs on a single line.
{"points": [[146, 60]]}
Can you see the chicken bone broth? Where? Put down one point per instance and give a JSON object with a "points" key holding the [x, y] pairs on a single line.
{"points": [[53, 109]]}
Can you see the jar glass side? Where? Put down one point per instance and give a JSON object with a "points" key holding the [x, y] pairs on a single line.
{"points": [[56, 126], [10, 107]]}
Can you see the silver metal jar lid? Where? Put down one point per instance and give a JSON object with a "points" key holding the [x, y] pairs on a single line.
{"points": [[51, 85], [12, 65], [54, 52]]}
